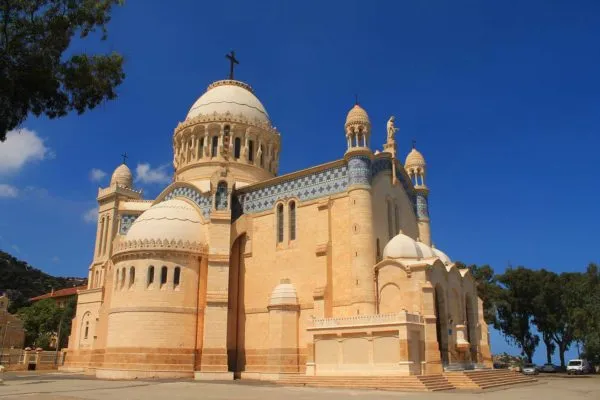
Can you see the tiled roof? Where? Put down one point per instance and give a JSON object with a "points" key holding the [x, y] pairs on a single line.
{"points": [[72, 291]]}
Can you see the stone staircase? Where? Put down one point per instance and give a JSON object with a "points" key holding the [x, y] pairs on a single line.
{"points": [[416, 383], [486, 379]]}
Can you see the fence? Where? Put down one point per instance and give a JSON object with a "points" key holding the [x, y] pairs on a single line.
{"points": [[22, 359]]}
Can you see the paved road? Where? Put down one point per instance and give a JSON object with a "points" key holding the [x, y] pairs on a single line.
{"points": [[59, 386]]}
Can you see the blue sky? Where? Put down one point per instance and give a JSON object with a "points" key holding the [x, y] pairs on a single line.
{"points": [[502, 98]]}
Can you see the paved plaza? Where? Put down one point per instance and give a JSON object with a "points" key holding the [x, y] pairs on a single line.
{"points": [[59, 386]]}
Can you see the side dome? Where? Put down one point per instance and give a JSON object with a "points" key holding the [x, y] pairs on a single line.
{"points": [[414, 159], [122, 177], [172, 219], [229, 96], [357, 115], [442, 256], [426, 251], [284, 294], [403, 247]]}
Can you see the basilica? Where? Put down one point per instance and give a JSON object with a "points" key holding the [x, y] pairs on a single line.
{"points": [[235, 271]]}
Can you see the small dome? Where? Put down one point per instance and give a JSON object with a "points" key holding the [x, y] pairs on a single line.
{"points": [[230, 96], [402, 246], [284, 294], [122, 177], [441, 255], [357, 115], [426, 251], [173, 219], [414, 159]]}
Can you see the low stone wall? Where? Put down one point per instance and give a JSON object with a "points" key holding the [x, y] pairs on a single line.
{"points": [[19, 360], [384, 344]]}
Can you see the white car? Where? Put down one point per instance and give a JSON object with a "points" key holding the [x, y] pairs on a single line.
{"points": [[578, 367]]}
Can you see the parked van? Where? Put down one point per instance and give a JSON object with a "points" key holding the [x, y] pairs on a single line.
{"points": [[578, 366]]}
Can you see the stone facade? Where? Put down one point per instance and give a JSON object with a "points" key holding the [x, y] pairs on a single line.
{"points": [[235, 271]]}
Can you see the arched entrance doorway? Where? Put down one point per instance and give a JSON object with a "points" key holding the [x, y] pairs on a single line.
{"points": [[236, 317], [441, 323]]}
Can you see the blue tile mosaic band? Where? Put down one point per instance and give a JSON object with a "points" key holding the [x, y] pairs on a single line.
{"points": [[311, 186], [359, 170], [126, 221], [422, 206], [203, 201]]}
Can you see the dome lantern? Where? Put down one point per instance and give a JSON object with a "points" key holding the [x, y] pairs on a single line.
{"points": [[358, 128], [415, 166]]}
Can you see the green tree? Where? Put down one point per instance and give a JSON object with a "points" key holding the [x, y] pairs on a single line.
{"points": [[586, 312], [36, 76], [515, 308], [40, 321], [549, 313]]}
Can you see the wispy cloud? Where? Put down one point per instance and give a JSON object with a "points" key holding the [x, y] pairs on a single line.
{"points": [[22, 146], [91, 215], [8, 191], [146, 174], [16, 248], [55, 259], [96, 175]]}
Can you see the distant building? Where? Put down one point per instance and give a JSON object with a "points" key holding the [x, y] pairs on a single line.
{"points": [[62, 296], [12, 333]]}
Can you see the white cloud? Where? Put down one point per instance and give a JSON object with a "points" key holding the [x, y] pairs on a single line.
{"points": [[145, 174], [21, 146], [55, 259], [16, 248], [8, 191], [96, 175], [91, 216]]}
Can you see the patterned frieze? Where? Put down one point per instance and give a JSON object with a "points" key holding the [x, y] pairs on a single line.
{"points": [[359, 170], [202, 200], [126, 221], [308, 187], [422, 206]]}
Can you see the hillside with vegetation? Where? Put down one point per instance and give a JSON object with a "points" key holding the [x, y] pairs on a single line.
{"points": [[20, 281]]}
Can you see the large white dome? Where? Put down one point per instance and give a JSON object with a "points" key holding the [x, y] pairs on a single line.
{"points": [[230, 96], [172, 219]]}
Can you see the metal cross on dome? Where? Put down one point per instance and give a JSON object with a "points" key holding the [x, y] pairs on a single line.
{"points": [[232, 62], [124, 155]]}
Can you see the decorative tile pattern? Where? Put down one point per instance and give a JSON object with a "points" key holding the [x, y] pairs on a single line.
{"points": [[382, 164], [203, 201], [359, 170], [312, 186], [422, 206], [126, 221]]}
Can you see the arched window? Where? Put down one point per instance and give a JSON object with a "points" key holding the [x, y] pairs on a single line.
{"points": [[279, 223], [87, 329], [215, 143], [176, 276], [251, 150], [237, 147], [390, 220], [221, 196], [122, 277], [131, 276], [292, 220], [201, 152], [378, 254], [397, 217], [116, 278], [150, 278], [163, 275]]}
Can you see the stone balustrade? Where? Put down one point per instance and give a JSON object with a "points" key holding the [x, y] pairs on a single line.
{"points": [[363, 320]]}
